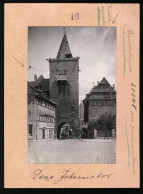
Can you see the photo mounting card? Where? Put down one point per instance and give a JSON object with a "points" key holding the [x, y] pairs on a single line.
{"points": [[72, 95]]}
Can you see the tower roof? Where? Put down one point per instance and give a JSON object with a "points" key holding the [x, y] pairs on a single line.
{"points": [[64, 50], [41, 83], [104, 81], [33, 92]]}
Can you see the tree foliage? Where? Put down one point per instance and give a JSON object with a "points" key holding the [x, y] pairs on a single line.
{"points": [[104, 122]]}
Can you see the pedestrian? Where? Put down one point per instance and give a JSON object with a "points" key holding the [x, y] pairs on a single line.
{"points": [[70, 132], [67, 133], [84, 132], [106, 134], [63, 134], [91, 133]]}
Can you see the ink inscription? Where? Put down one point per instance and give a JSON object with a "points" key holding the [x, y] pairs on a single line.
{"points": [[68, 175]]}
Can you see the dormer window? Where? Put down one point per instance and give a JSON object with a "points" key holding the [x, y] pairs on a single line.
{"points": [[68, 55]]}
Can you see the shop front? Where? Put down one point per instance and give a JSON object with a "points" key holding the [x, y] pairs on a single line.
{"points": [[45, 130]]}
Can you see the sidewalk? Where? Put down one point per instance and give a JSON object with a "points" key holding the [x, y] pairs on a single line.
{"points": [[37, 140], [99, 140]]}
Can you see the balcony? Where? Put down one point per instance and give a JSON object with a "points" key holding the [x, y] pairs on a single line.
{"points": [[62, 77]]}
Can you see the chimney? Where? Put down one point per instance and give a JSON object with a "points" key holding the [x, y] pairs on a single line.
{"points": [[114, 86], [35, 77], [97, 82]]}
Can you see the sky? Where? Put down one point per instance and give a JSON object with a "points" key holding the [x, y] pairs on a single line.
{"points": [[96, 47]]}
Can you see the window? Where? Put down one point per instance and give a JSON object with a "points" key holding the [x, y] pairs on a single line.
{"points": [[29, 113], [30, 130], [42, 117], [68, 55], [53, 120]]}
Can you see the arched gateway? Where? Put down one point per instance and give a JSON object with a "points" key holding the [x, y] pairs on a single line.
{"points": [[64, 126]]}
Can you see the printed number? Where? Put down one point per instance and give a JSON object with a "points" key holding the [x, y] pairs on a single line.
{"points": [[75, 16]]}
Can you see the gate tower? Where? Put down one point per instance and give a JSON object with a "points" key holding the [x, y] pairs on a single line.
{"points": [[64, 87]]}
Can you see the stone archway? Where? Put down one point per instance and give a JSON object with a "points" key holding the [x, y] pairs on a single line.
{"points": [[63, 124]]}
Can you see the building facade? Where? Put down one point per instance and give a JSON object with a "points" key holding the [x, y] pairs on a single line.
{"points": [[101, 100], [41, 115], [81, 114], [64, 86]]}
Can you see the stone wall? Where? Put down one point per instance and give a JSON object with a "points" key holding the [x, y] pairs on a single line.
{"points": [[65, 93]]}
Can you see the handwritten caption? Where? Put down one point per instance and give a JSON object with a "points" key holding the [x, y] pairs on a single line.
{"points": [[128, 57], [106, 16], [67, 175], [130, 131], [127, 48]]}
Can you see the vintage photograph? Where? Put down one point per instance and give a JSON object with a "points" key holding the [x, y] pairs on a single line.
{"points": [[71, 95]]}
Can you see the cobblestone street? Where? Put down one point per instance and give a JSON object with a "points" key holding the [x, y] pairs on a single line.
{"points": [[75, 151]]}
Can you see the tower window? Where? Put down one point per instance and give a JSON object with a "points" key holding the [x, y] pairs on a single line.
{"points": [[29, 113], [68, 56]]}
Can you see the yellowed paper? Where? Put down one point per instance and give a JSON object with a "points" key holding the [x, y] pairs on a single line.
{"points": [[18, 173]]}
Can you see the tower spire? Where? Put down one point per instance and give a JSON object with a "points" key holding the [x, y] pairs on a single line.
{"points": [[64, 29], [64, 50]]}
